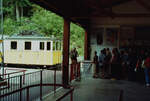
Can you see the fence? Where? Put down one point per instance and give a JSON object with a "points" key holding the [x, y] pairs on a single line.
{"points": [[30, 86]]}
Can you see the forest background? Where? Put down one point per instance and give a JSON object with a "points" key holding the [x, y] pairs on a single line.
{"points": [[22, 15]]}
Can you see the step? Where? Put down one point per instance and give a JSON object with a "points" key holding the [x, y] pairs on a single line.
{"points": [[59, 94]]}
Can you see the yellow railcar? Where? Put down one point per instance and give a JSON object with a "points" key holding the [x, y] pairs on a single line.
{"points": [[32, 50]]}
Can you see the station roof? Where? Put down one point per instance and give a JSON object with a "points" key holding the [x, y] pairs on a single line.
{"points": [[83, 11]]}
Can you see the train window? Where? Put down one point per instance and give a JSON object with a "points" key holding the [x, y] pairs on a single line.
{"points": [[41, 45], [13, 44], [57, 45], [27, 45], [48, 45], [54, 45]]}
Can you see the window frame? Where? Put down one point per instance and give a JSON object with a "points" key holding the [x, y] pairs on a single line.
{"points": [[43, 44], [15, 45], [25, 48], [54, 45], [48, 48]]}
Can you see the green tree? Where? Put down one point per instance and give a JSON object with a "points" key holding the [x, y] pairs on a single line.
{"points": [[17, 6], [77, 38], [49, 23]]}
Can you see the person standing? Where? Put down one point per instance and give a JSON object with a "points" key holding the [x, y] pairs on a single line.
{"points": [[95, 61], [147, 70], [74, 54], [107, 62], [74, 69], [115, 64], [101, 62]]}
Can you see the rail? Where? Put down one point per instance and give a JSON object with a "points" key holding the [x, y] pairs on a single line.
{"points": [[5, 78], [19, 90], [17, 71], [37, 85]]}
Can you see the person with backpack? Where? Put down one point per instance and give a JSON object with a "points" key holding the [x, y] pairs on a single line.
{"points": [[147, 70]]}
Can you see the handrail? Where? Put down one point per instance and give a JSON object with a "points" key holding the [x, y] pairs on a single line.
{"points": [[8, 74], [25, 74], [46, 84], [19, 80], [13, 72]]}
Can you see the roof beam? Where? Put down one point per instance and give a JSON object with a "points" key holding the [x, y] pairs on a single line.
{"points": [[99, 7], [114, 15], [145, 5]]}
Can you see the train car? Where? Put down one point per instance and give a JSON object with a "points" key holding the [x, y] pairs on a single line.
{"points": [[4, 36], [32, 50]]}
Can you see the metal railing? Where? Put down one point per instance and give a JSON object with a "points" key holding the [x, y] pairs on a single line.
{"points": [[34, 85], [8, 76]]}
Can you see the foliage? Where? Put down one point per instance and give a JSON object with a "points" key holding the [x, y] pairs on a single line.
{"points": [[49, 23], [10, 6], [9, 26], [77, 38], [41, 21]]}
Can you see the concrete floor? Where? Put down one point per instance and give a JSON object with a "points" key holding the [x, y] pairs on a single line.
{"points": [[96, 89], [107, 90]]}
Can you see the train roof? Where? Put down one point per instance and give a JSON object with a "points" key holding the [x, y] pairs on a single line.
{"points": [[30, 36]]}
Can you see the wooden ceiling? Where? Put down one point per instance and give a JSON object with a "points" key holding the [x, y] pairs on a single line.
{"points": [[82, 11]]}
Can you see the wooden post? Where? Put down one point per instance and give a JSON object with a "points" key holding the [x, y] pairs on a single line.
{"points": [[66, 43], [85, 46]]}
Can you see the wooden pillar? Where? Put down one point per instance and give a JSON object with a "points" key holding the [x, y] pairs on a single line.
{"points": [[85, 46], [66, 43]]}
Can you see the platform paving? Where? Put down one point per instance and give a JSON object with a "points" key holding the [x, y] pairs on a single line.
{"points": [[109, 90], [96, 89]]}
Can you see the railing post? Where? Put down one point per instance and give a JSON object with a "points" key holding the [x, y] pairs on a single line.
{"points": [[5, 74], [8, 80], [41, 85], [54, 80], [23, 77], [20, 87], [27, 93], [71, 96]]}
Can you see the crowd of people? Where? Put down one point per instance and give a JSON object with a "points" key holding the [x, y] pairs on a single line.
{"points": [[130, 63]]}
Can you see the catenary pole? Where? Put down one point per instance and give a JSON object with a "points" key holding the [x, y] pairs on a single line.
{"points": [[2, 38]]}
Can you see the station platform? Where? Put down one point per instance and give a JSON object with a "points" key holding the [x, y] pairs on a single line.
{"points": [[91, 89], [97, 89]]}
